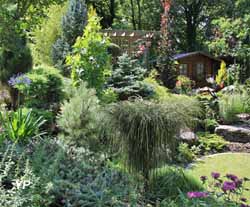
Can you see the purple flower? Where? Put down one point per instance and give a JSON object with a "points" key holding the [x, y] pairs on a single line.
{"points": [[215, 175], [228, 186], [243, 199], [238, 183], [197, 195], [232, 177], [244, 205], [217, 185], [203, 178], [19, 79]]}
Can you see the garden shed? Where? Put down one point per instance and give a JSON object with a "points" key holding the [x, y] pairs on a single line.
{"points": [[198, 66]]}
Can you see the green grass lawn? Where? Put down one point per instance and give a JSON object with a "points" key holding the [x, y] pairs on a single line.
{"points": [[233, 163]]}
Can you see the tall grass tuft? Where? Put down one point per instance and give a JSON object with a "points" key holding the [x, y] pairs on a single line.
{"points": [[145, 129], [231, 105]]}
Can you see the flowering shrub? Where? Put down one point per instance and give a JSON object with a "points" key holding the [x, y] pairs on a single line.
{"points": [[184, 84], [229, 188]]}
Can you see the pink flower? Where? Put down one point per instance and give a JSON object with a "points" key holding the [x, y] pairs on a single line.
{"points": [[197, 195]]}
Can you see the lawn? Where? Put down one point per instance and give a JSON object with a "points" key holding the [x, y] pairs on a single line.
{"points": [[233, 163]]}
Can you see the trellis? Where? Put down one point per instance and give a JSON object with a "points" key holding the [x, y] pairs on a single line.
{"points": [[126, 39]]}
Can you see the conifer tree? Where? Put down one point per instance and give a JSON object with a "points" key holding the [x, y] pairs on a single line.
{"points": [[73, 24], [127, 79]]}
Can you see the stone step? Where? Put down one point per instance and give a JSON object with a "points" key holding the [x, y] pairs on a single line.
{"points": [[234, 133]]}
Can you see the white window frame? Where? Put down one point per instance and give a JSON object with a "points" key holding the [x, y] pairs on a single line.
{"points": [[184, 67]]}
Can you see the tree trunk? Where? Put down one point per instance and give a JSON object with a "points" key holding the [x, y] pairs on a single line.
{"points": [[191, 35], [139, 14], [112, 12], [133, 14]]}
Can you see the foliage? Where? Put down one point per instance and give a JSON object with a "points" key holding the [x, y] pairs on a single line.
{"points": [[146, 129], [233, 74], [222, 74], [127, 79], [231, 38], [14, 60], [185, 153], [46, 35], [19, 186], [45, 89], [20, 127], [160, 91], [90, 60], [46, 115], [66, 177], [211, 143], [231, 105], [109, 96], [210, 125], [165, 62], [169, 181], [73, 24], [184, 84], [78, 120]]}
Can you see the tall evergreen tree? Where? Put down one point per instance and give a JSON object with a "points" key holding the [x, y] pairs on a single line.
{"points": [[127, 79], [73, 24]]}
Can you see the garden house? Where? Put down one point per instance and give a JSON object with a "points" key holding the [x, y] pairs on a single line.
{"points": [[198, 66]]}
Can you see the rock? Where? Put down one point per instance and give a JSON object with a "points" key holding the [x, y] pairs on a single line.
{"points": [[234, 133], [245, 118], [239, 147], [188, 136], [228, 89]]}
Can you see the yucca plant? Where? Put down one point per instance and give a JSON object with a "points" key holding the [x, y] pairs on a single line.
{"points": [[146, 130], [20, 127]]}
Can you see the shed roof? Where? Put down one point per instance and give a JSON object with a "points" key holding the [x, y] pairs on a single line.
{"points": [[184, 55]]}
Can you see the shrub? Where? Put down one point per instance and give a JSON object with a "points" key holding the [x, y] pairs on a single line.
{"points": [[211, 143], [109, 96], [185, 154], [127, 79], [45, 89], [222, 74], [184, 84], [73, 24], [46, 35], [78, 120], [20, 127], [231, 105], [90, 60], [210, 125], [160, 91], [145, 129], [68, 176], [19, 186], [170, 181]]}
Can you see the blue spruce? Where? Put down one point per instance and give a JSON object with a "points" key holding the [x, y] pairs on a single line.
{"points": [[73, 24]]}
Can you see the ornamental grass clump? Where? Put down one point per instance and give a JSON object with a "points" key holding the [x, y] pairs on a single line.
{"points": [[144, 130]]}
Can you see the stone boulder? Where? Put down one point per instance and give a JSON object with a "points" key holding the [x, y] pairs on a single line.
{"points": [[234, 133], [188, 136], [245, 118]]}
